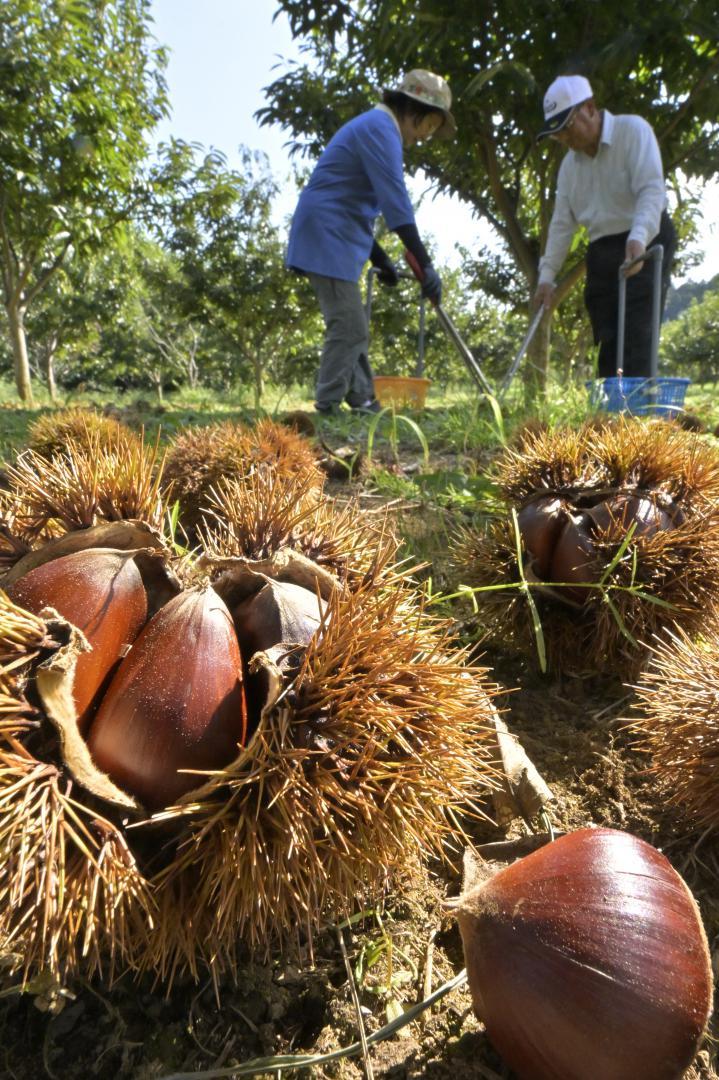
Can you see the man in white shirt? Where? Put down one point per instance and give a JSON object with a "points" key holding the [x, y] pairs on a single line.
{"points": [[610, 181]]}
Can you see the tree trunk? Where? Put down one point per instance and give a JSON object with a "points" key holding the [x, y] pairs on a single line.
{"points": [[192, 373], [16, 323], [156, 380], [575, 363], [49, 365], [536, 363], [257, 368]]}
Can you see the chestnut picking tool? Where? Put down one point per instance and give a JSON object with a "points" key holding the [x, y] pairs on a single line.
{"points": [[655, 254], [462, 348]]}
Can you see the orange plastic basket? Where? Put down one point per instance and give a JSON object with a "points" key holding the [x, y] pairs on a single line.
{"points": [[401, 390]]}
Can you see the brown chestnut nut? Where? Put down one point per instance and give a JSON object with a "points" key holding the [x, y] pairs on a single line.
{"points": [[540, 523], [574, 559], [99, 591], [587, 960], [623, 511], [177, 702]]}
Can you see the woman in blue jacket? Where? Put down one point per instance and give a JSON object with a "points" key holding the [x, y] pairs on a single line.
{"points": [[359, 176]]}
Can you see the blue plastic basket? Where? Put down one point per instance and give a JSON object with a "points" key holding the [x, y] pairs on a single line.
{"points": [[662, 395]]}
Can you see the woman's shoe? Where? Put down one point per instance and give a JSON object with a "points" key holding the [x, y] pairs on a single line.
{"points": [[372, 405]]}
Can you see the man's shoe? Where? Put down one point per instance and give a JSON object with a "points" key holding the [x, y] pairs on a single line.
{"points": [[372, 405], [328, 410]]}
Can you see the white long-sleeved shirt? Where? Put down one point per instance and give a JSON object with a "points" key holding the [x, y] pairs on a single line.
{"points": [[619, 190]]}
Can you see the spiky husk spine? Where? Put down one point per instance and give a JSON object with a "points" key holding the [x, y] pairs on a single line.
{"points": [[91, 482], [267, 511], [662, 579], [200, 458], [50, 434], [678, 721], [363, 767]]}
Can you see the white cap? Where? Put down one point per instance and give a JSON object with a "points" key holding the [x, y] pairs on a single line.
{"points": [[563, 95]]}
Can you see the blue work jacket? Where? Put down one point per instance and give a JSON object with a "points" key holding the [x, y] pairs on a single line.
{"points": [[358, 176]]}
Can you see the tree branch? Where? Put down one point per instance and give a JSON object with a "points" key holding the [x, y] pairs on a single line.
{"points": [[681, 112], [515, 236], [46, 274]]}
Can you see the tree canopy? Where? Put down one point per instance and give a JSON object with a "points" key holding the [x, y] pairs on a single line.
{"points": [[81, 86]]}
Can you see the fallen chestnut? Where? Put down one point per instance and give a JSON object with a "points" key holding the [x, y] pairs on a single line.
{"points": [[623, 511], [540, 523], [587, 960], [574, 559], [279, 612], [99, 591], [177, 702]]}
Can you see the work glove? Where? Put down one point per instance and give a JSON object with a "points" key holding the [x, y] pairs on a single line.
{"points": [[387, 272], [431, 285], [388, 275]]}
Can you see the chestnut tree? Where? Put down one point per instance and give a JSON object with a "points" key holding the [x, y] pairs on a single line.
{"points": [[81, 86]]}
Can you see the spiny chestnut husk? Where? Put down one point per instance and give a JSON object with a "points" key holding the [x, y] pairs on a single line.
{"points": [[372, 743], [200, 457], [269, 512], [99, 591], [50, 435], [677, 721], [600, 593], [372, 738], [94, 480], [176, 703], [587, 960], [71, 892]]}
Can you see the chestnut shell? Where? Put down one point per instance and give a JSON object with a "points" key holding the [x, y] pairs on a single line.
{"points": [[100, 591], [587, 960], [177, 702], [279, 612], [540, 523], [624, 510], [574, 558]]}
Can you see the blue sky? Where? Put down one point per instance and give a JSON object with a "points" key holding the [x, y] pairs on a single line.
{"points": [[222, 53]]}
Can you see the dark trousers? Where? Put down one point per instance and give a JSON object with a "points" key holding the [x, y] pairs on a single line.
{"points": [[345, 373], [601, 296]]}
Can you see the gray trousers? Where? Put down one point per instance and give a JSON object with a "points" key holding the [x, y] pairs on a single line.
{"points": [[345, 373]]}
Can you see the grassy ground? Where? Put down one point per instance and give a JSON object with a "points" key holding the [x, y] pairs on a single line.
{"points": [[455, 417]]}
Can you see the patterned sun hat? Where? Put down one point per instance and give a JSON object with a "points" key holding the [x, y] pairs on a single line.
{"points": [[431, 90]]}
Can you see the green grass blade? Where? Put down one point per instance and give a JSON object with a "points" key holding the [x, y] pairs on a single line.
{"points": [[371, 431], [618, 555]]}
